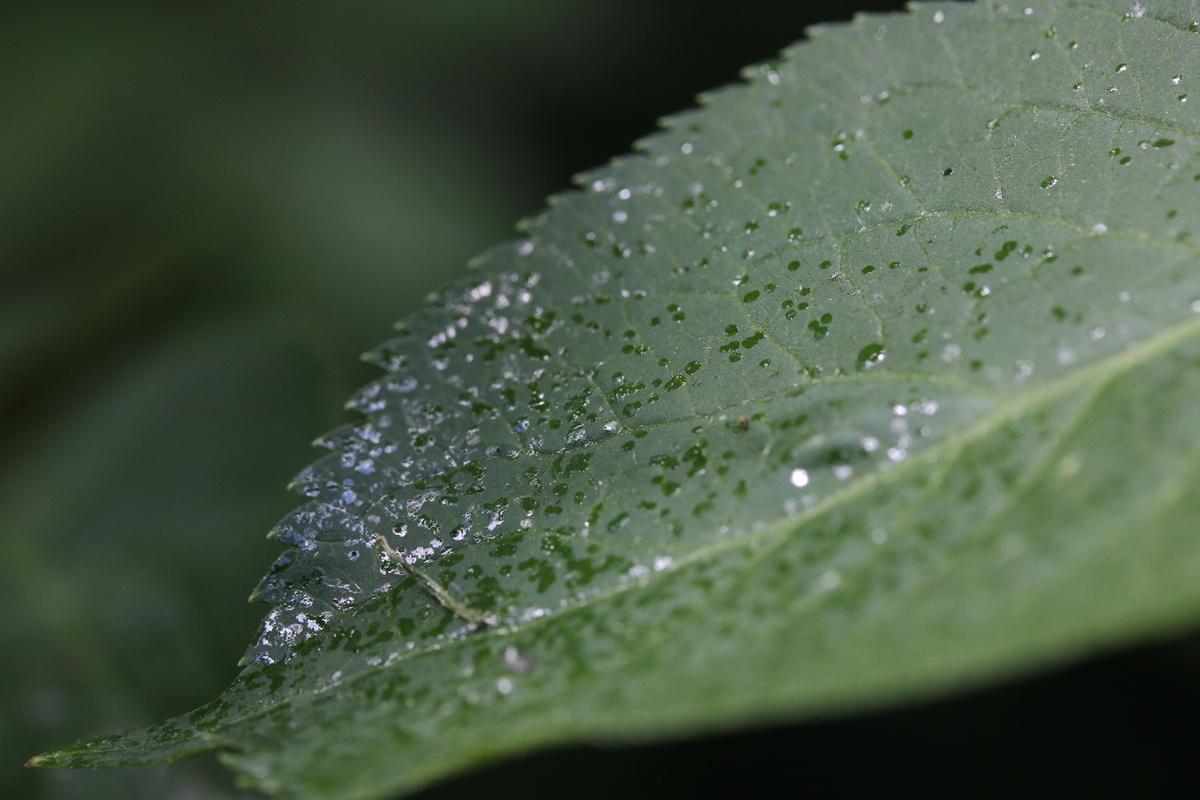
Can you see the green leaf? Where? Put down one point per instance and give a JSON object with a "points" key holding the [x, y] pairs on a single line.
{"points": [[97, 633], [872, 379]]}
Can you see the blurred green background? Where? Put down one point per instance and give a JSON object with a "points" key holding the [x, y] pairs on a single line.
{"points": [[206, 212]]}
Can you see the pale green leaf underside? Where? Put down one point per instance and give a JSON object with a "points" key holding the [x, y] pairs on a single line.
{"points": [[874, 377]]}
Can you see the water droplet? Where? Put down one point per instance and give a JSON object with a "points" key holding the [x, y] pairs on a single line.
{"points": [[1069, 465], [830, 579], [799, 478], [870, 355], [516, 662]]}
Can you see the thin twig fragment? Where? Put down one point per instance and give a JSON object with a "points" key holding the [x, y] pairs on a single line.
{"points": [[477, 619]]}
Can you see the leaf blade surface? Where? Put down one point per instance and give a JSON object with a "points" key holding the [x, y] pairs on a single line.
{"points": [[867, 380]]}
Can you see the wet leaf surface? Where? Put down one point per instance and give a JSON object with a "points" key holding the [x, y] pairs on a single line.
{"points": [[871, 379]]}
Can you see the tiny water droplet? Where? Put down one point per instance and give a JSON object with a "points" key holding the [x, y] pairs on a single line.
{"points": [[830, 579], [516, 662], [871, 355], [1069, 465]]}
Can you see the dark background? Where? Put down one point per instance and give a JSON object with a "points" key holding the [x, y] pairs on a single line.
{"points": [[207, 211]]}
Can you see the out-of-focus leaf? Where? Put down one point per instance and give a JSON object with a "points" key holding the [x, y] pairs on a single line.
{"points": [[872, 379], [168, 462]]}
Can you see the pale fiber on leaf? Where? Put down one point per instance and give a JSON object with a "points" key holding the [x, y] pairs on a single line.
{"points": [[873, 378]]}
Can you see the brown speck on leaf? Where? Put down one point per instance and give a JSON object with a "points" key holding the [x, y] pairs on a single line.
{"points": [[743, 422]]}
